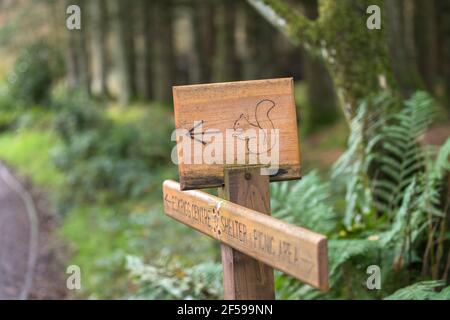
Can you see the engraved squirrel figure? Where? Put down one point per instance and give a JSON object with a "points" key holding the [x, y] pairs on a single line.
{"points": [[261, 120]]}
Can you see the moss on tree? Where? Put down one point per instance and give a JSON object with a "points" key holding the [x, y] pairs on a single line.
{"points": [[356, 57]]}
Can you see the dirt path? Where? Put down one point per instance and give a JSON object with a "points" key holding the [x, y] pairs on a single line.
{"points": [[30, 260]]}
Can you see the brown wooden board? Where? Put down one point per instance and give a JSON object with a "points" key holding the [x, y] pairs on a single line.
{"points": [[203, 110], [294, 250], [246, 278]]}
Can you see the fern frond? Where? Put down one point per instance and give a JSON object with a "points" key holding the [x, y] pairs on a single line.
{"points": [[304, 203], [425, 290], [397, 232], [168, 280], [400, 156], [443, 295], [340, 251], [365, 136], [442, 164]]}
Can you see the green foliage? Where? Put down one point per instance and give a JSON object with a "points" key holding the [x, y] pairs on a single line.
{"points": [[99, 167], [425, 290], [400, 156], [384, 155], [394, 209], [305, 203], [14, 117], [101, 235], [352, 168], [170, 280], [99, 154], [76, 113], [340, 252], [99, 238], [36, 68], [28, 151], [8, 112], [443, 159]]}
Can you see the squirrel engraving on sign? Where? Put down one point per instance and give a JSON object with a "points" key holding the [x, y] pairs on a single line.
{"points": [[259, 120]]}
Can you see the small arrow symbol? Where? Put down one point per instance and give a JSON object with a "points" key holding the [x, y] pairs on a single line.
{"points": [[308, 265], [193, 134]]}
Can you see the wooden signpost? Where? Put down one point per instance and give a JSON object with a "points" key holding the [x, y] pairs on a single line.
{"points": [[204, 110], [252, 242], [294, 250]]}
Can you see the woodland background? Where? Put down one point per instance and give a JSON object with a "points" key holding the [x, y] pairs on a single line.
{"points": [[86, 116]]}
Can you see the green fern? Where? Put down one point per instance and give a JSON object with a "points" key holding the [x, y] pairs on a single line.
{"points": [[442, 163], [383, 155], [353, 166], [341, 251], [400, 157], [304, 203], [443, 295], [166, 279], [425, 290]]}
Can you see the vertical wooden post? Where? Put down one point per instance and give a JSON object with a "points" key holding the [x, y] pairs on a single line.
{"points": [[244, 277]]}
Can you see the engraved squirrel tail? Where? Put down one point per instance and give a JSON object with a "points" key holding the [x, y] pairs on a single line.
{"points": [[264, 121]]}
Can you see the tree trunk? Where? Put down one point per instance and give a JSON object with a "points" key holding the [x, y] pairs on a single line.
{"points": [[144, 80], [226, 64], [426, 41], [444, 49], [320, 92], [57, 13], [203, 33], [164, 58], [99, 46], [122, 18], [78, 75], [400, 33], [261, 39], [357, 58]]}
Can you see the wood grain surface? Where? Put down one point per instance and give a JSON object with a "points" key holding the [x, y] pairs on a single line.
{"points": [[246, 278], [259, 104]]}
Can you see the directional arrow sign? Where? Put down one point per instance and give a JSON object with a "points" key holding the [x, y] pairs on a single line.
{"points": [[298, 252], [194, 135], [244, 122]]}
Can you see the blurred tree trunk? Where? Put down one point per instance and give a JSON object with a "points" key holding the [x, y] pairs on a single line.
{"points": [[77, 56], [261, 46], [203, 33], [124, 50], [443, 9], [57, 13], [226, 64], [145, 53], [357, 58], [400, 21], [99, 46], [426, 33], [320, 92], [164, 57]]}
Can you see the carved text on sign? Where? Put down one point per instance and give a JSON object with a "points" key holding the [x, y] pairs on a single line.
{"points": [[294, 250]]}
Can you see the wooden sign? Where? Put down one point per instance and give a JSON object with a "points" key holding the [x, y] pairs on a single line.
{"points": [[298, 252], [245, 122]]}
